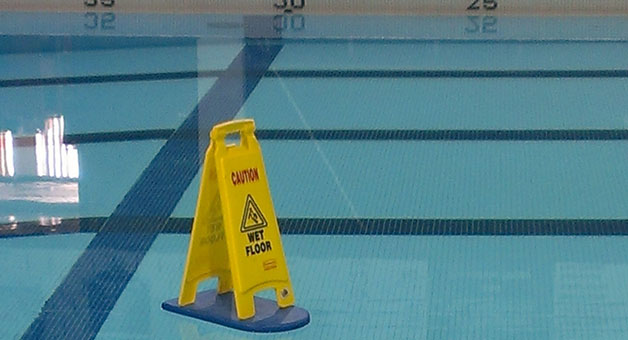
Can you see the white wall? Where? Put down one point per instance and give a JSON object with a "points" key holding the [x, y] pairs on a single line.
{"points": [[511, 7]]}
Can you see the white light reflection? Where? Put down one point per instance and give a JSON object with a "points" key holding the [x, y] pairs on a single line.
{"points": [[73, 161], [40, 154], [45, 169], [53, 157], [49, 221], [13, 222], [49, 146], [7, 165], [56, 147]]}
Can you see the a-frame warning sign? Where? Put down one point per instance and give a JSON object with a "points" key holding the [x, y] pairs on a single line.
{"points": [[253, 217], [241, 248]]}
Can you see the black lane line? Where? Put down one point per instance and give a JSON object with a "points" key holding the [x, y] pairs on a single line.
{"points": [[64, 226], [447, 74], [319, 74], [365, 226], [443, 135], [119, 136], [468, 227], [113, 78], [440, 41], [449, 227], [361, 134]]}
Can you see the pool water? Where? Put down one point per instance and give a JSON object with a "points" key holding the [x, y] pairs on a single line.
{"points": [[462, 182]]}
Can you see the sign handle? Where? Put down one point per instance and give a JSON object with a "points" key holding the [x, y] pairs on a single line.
{"points": [[243, 126]]}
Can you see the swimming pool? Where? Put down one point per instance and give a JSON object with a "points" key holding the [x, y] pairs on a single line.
{"points": [[434, 177]]}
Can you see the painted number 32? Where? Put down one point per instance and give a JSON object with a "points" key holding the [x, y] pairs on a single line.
{"points": [[488, 5]]}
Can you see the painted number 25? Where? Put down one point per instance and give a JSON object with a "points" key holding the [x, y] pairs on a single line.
{"points": [[488, 5]]}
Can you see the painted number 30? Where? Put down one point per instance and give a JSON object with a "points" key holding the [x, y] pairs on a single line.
{"points": [[488, 5], [93, 3]]}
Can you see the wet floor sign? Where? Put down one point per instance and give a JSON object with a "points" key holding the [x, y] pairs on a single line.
{"points": [[235, 237]]}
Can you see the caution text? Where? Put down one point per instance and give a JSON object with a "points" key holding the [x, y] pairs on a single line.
{"points": [[244, 176]]}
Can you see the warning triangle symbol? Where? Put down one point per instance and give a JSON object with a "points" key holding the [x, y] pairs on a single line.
{"points": [[253, 217]]}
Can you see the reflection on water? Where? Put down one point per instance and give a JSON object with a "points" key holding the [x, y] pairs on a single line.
{"points": [[53, 157], [7, 166], [40, 191], [49, 221], [43, 155], [37, 169]]}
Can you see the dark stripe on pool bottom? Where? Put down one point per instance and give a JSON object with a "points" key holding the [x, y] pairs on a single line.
{"points": [[431, 41], [396, 226], [162, 76], [342, 226], [447, 73], [51, 227], [109, 78], [488, 135], [339, 134], [82, 302], [113, 136], [121, 136], [363, 226]]}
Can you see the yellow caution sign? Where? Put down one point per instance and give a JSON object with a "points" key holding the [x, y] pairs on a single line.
{"points": [[235, 235]]}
